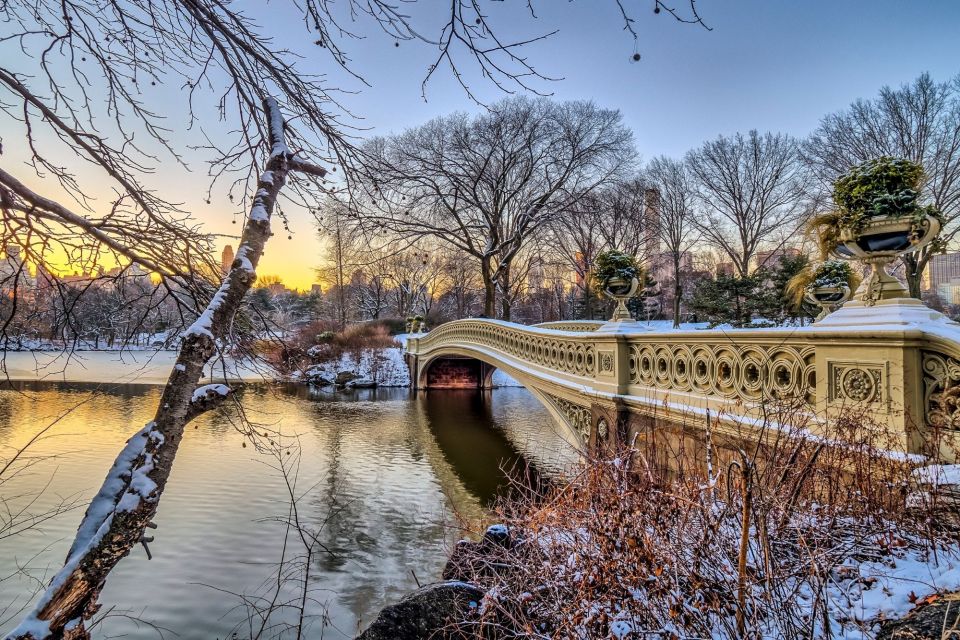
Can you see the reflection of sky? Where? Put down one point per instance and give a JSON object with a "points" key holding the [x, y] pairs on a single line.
{"points": [[382, 473], [767, 64]]}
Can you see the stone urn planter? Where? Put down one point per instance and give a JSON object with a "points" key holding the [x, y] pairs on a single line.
{"points": [[621, 290], [829, 299], [878, 243]]}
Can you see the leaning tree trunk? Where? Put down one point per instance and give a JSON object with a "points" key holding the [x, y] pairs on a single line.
{"points": [[119, 514]]}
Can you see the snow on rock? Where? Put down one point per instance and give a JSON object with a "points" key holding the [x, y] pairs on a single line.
{"points": [[361, 383], [385, 367]]}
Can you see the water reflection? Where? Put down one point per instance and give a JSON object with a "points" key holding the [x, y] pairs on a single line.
{"points": [[385, 476]]}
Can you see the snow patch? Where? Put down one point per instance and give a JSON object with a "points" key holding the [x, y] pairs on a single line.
{"points": [[204, 324], [258, 212], [207, 390], [938, 474]]}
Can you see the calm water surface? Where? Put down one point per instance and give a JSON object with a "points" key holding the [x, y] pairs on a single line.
{"points": [[386, 477]]}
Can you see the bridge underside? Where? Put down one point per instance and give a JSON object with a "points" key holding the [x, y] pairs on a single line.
{"points": [[463, 369], [456, 372], [588, 424]]}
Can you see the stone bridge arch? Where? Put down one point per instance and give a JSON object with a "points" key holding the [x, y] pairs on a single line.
{"points": [[463, 367]]}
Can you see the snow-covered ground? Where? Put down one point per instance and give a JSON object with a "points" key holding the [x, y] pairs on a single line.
{"points": [[385, 367], [116, 367]]}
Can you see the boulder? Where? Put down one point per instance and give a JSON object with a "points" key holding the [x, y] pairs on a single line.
{"points": [[485, 558], [343, 377], [361, 383], [926, 622], [428, 613], [317, 376]]}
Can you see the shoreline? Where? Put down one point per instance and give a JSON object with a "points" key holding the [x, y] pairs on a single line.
{"points": [[115, 367]]}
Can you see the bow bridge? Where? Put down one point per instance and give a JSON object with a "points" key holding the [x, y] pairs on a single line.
{"points": [[894, 366]]}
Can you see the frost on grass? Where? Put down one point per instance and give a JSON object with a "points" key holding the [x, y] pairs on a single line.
{"points": [[125, 486]]}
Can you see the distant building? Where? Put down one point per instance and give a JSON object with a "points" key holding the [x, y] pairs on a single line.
{"points": [[226, 260], [772, 259], [943, 269], [661, 266], [581, 271], [949, 292], [15, 272], [725, 269], [316, 289]]}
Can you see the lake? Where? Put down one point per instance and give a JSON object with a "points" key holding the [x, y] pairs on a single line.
{"points": [[387, 480]]}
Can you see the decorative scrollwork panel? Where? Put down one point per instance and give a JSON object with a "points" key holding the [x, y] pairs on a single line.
{"points": [[746, 372], [941, 390], [579, 417]]}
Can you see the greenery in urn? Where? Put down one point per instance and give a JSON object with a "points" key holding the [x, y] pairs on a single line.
{"points": [[613, 265], [827, 274], [883, 187]]}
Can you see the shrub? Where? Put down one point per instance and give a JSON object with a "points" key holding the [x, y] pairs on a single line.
{"points": [[880, 187], [614, 264], [830, 273], [783, 544]]}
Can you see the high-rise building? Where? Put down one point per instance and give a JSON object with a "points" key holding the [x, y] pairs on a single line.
{"points": [[226, 260], [944, 268]]}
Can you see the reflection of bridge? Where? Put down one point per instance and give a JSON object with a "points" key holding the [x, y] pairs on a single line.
{"points": [[900, 375]]}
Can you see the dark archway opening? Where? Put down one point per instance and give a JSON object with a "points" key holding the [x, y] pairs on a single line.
{"points": [[457, 373]]}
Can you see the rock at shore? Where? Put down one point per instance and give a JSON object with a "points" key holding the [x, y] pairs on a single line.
{"points": [[361, 383], [344, 377], [932, 620], [430, 612]]}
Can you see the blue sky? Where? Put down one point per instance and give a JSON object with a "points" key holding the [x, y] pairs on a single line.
{"points": [[766, 64]]}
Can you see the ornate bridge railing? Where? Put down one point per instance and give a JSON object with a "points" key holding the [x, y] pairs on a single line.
{"points": [[902, 377]]}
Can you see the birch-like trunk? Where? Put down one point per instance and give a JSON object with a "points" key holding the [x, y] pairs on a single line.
{"points": [[120, 513]]}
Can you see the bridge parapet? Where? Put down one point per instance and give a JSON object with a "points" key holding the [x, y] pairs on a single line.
{"points": [[900, 375]]}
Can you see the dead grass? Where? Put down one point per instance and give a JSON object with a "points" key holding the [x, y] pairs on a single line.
{"points": [[762, 542]]}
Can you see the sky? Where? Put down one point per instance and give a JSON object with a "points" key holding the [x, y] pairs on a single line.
{"points": [[771, 65]]}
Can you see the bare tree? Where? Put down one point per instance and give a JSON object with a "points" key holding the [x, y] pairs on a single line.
{"points": [[620, 215], [750, 189], [676, 228], [918, 121], [485, 185]]}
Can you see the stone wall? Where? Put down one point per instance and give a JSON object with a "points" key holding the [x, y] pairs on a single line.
{"points": [[455, 373]]}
